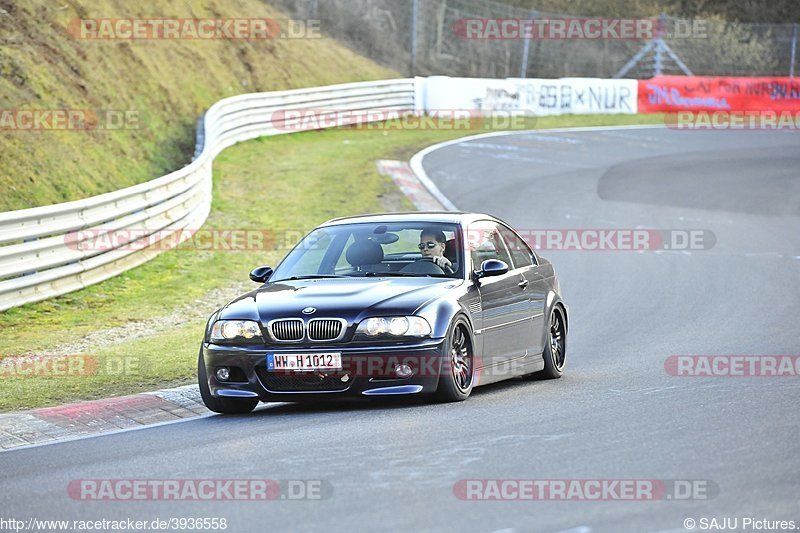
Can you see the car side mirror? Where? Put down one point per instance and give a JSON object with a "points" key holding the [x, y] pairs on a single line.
{"points": [[261, 274], [491, 267]]}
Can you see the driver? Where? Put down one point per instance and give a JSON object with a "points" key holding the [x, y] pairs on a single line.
{"points": [[432, 245]]}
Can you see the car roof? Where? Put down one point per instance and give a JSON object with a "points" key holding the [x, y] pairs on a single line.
{"points": [[455, 217]]}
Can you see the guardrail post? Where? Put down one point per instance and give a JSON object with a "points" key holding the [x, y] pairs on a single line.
{"points": [[414, 9], [794, 49], [526, 48]]}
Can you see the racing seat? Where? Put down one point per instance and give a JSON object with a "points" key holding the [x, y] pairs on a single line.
{"points": [[366, 256], [451, 252]]}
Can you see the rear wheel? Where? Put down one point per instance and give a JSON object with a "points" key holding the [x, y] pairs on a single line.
{"points": [[456, 380], [227, 406], [555, 350]]}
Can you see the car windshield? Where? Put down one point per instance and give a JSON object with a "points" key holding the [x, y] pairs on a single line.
{"points": [[414, 249]]}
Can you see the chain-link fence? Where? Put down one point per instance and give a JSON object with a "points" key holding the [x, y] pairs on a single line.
{"points": [[382, 30]]}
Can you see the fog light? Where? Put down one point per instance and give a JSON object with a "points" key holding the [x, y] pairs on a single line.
{"points": [[223, 374], [403, 371], [345, 378]]}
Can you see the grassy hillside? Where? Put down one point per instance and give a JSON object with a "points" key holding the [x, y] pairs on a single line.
{"points": [[166, 83]]}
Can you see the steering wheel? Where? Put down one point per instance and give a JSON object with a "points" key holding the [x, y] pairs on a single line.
{"points": [[445, 270], [423, 266]]}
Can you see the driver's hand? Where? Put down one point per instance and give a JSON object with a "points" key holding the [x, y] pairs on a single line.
{"points": [[442, 262]]}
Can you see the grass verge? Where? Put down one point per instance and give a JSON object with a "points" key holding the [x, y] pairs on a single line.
{"points": [[283, 185]]}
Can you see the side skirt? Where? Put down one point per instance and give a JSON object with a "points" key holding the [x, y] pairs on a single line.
{"points": [[510, 368]]}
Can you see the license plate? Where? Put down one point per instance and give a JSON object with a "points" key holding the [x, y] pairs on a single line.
{"points": [[304, 361]]}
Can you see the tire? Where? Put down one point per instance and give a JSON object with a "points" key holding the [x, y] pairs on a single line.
{"points": [[226, 406], [555, 349], [458, 377]]}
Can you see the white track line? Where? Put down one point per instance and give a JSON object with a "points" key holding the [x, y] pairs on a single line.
{"points": [[419, 170]]}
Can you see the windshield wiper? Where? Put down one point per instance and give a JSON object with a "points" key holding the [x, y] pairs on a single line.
{"points": [[398, 274], [314, 276]]}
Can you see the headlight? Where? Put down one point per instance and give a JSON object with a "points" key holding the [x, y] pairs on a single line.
{"points": [[394, 326], [226, 330]]}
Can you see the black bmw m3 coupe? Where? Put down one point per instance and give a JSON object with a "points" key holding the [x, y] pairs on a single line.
{"points": [[388, 304]]}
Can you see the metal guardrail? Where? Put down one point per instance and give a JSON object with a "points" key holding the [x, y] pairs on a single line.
{"points": [[41, 255]]}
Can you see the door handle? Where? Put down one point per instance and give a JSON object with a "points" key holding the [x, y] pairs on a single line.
{"points": [[523, 284]]}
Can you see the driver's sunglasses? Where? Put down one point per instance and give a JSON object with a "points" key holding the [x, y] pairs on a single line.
{"points": [[430, 245]]}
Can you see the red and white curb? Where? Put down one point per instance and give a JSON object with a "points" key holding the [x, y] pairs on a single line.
{"points": [[410, 184], [50, 424]]}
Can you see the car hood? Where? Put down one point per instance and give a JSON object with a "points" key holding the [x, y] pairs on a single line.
{"points": [[349, 298]]}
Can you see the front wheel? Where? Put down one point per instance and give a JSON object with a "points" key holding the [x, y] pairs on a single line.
{"points": [[457, 377], [226, 406], [555, 350]]}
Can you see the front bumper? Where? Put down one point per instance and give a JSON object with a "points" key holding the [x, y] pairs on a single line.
{"points": [[367, 371]]}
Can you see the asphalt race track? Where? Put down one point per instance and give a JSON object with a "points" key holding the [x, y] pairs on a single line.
{"points": [[616, 414]]}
